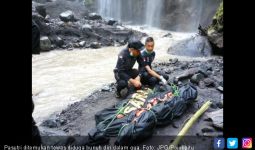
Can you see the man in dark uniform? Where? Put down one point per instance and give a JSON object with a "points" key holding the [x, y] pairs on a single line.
{"points": [[124, 73], [148, 75]]}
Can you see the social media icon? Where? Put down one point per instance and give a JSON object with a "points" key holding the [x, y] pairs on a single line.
{"points": [[219, 143], [232, 143], [246, 143]]}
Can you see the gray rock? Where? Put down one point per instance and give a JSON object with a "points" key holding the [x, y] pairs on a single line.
{"points": [[82, 43], [62, 121], [211, 134], [46, 132], [169, 35], [206, 67], [188, 73], [217, 118], [209, 72], [122, 42], [45, 43], [220, 88], [203, 71], [174, 124], [47, 17], [95, 45], [167, 71], [220, 104], [218, 79], [173, 61], [86, 28], [197, 77], [221, 83], [214, 73], [76, 45], [40, 8], [51, 123], [94, 16], [217, 70], [209, 67], [106, 89], [57, 41], [184, 65], [111, 22], [208, 82], [213, 105], [207, 129], [67, 16], [201, 84], [52, 47], [171, 69]]}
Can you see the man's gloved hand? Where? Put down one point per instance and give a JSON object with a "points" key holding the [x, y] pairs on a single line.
{"points": [[163, 80]]}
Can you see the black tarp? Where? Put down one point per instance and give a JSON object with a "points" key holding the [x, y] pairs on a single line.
{"points": [[129, 131]]}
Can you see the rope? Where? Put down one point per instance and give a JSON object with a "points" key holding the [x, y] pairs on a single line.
{"points": [[175, 90], [119, 111]]}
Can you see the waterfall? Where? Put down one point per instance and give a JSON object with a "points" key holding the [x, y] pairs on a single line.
{"points": [[110, 8], [153, 12], [176, 15], [136, 11]]}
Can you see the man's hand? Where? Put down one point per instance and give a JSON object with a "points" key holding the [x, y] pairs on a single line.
{"points": [[163, 80], [136, 83]]}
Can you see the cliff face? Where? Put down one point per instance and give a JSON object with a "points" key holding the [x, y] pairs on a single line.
{"points": [[215, 31]]}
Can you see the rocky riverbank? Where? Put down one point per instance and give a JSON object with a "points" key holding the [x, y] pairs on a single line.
{"points": [[207, 76], [69, 24]]}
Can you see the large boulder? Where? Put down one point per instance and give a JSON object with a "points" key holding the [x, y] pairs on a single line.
{"points": [[215, 38], [45, 43], [195, 46], [67, 16]]}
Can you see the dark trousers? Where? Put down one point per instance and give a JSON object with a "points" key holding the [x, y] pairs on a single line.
{"points": [[122, 78], [147, 79]]}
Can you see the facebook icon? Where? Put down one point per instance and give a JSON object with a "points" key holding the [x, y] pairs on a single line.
{"points": [[219, 143]]}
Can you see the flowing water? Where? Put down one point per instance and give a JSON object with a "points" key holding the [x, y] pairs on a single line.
{"points": [[62, 77], [177, 15]]}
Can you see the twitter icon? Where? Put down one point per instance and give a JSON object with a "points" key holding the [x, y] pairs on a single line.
{"points": [[232, 143]]}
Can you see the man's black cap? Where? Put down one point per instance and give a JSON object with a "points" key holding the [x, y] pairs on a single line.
{"points": [[136, 44]]}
